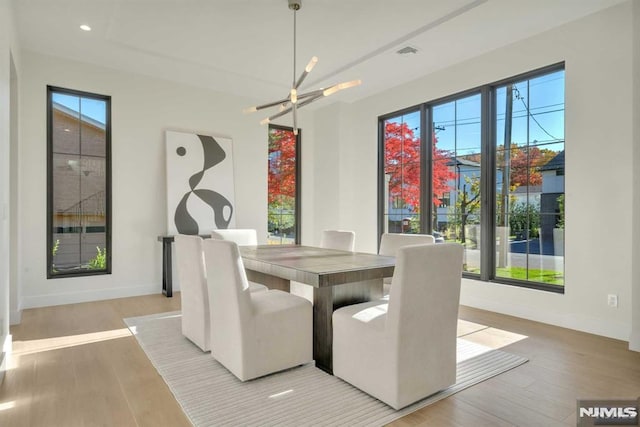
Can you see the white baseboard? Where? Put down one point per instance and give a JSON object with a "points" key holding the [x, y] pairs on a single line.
{"points": [[47, 300], [592, 325], [4, 355], [634, 342]]}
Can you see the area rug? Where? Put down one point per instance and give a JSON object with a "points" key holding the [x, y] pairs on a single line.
{"points": [[304, 396]]}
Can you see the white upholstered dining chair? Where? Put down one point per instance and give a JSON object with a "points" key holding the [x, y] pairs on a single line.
{"points": [[253, 333], [194, 298], [403, 349], [242, 236], [194, 301], [391, 242], [338, 239]]}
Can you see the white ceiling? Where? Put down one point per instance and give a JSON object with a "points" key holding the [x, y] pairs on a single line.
{"points": [[245, 47]]}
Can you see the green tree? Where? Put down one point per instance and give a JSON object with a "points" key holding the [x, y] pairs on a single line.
{"points": [[467, 204], [524, 219]]}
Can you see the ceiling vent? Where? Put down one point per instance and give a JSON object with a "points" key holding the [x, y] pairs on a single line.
{"points": [[407, 50]]}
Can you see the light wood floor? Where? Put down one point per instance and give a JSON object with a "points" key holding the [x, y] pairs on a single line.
{"points": [[77, 365]]}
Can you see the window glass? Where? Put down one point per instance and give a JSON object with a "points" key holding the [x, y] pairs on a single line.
{"points": [[402, 163], [283, 191], [456, 172], [530, 184]]}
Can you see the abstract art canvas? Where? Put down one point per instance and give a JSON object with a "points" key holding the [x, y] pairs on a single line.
{"points": [[200, 186]]}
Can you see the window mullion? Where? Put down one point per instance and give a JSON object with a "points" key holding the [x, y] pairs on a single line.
{"points": [[426, 159], [488, 184]]}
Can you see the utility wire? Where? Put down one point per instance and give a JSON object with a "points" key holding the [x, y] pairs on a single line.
{"points": [[521, 98]]}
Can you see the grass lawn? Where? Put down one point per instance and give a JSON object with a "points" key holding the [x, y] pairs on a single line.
{"points": [[551, 277]]}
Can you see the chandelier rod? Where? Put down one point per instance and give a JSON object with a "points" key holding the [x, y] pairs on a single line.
{"points": [[294, 48]]}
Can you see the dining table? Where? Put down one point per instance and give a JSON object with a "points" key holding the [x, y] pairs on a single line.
{"points": [[337, 278]]}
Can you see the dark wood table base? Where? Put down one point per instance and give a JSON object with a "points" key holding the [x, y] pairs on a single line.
{"points": [[328, 299]]}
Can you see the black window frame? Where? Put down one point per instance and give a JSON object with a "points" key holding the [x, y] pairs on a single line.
{"points": [[51, 90], [487, 180]]}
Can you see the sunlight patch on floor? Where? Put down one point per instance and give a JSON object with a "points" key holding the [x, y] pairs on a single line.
{"points": [[7, 405], [281, 394], [465, 327], [21, 348], [491, 337]]}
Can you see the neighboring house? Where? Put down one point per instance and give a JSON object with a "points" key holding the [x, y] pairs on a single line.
{"points": [[466, 173], [526, 194], [78, 227], [552, 189]]}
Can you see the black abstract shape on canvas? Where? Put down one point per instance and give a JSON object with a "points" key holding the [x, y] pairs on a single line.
{"points": [[213, 155]]}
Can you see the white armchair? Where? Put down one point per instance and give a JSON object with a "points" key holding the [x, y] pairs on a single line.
{"points": [[391, 242], [253, 333], [403, 349], [193, 290], [242, 237]]}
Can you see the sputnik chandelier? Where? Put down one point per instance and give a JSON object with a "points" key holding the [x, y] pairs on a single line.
{"points": [[296, 100]]}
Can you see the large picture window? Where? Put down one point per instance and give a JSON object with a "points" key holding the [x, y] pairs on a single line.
{"points": [[283, 186], [79, 183], [493, 179]]}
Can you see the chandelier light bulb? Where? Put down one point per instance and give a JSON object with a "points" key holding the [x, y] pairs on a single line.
{"points": [[311, 64], [346, 85]]}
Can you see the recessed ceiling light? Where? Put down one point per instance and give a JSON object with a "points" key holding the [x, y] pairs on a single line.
{"points": [[85, 27]]}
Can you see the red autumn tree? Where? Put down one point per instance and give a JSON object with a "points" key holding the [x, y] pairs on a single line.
{"points": [[402, 165], [282, 165], [441, 174], [525, 163]]}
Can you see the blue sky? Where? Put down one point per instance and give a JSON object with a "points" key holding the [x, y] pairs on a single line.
{"points": [[93, 108], [458, 122]]}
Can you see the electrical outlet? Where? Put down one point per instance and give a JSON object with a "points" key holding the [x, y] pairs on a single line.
{"points": [[612, 300]]}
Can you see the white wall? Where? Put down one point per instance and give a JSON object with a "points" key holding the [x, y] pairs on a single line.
{"points": [[8, 54], [142, 108], [634, 342], [598, 55]]}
